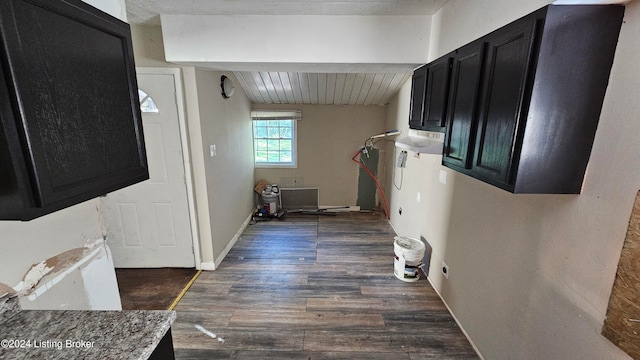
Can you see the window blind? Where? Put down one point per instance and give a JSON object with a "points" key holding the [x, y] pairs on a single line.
{"points": [[276, 115]]}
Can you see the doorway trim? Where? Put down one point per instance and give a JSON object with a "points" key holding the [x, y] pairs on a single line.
{"points": [[186, 153]]}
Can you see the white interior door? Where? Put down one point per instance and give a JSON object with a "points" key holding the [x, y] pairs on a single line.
{"points": [[148, 224]]}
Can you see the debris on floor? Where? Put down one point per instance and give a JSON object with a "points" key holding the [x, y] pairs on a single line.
{"points": [[209, 333]]}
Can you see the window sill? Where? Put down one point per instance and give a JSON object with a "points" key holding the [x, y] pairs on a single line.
{"points": [[275, 166]]}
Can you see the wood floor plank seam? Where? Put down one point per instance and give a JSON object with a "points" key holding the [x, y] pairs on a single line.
{"points": [[273, 299]]}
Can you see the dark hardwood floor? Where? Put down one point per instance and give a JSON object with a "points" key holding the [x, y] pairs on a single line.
{"points": [[314, 287], [151, 289]]}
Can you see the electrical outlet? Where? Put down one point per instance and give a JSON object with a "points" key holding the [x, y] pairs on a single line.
{"points": [[212, 150], [402, 159], [418, 197], [400, 211], [445, 269]]}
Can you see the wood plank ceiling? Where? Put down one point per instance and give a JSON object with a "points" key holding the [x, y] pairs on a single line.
{"points": [[321, 88]]}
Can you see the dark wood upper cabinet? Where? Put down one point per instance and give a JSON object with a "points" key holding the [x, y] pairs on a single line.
{"points": [[463, 100], [436, 94], [429, 95], [542, 86], [507, 65], [70, 119], [418, 87]]}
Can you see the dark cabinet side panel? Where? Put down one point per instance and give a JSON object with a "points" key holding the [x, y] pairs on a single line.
{"points": [[465, 80], [575, 58], [501, 108]]}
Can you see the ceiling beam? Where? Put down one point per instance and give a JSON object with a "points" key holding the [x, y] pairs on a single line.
{"points": [[305, 43]]}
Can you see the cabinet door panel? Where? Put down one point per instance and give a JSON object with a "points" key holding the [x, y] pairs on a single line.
{"points": [[462, 105], [436, 95], [418, 83], [79, 115], [508, 55], [70, 116]]}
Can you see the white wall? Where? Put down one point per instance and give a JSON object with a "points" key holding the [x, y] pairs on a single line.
{"points": [[328, 136], [420, 176], [297, 42], [115, 8], [79, 279], [530, 275], [25, 243], [225, 123], [458, 22], [223, 185], [148, 48]]}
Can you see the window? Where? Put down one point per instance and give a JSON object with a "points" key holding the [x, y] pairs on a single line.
{"points": [[147, 105], [274, 138]]}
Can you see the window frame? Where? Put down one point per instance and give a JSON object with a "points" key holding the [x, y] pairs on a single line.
{"points": [[294, 143]]}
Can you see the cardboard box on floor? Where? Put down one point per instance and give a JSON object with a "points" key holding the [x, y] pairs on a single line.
{"points": [[260, 186]]}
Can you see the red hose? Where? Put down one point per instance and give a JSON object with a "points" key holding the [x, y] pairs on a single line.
{"points": [[365, 168]]}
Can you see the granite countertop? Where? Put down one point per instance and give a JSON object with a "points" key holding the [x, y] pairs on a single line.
{"points": [[68, 334]]}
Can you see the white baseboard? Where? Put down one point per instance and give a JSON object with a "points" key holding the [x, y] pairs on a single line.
{"points": [[447, 305], [207, 266], [233, 241], [339, 208], [456, 319]]}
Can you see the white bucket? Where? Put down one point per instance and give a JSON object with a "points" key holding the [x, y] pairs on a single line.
{"points": [[409, 253], [270, 202]]}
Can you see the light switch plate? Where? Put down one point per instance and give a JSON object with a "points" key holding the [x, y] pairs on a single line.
{"points": [[443, 176]]}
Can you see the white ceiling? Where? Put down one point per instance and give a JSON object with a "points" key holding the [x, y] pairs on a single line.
{"points": [[147, 11], [284, 87]]}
